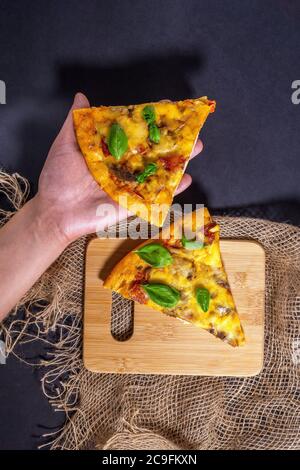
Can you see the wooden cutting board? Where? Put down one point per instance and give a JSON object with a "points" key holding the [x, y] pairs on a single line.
{"points": [[164, 345]]}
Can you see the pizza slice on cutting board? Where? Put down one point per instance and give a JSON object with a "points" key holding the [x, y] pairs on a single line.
{"points": [[138, 153], [182, 274]]}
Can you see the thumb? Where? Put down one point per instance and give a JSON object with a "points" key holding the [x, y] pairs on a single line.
{"points": [[80, 101], [66, 134]]}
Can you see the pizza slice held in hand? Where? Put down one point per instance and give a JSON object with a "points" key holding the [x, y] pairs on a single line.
{"points": [[181, 274], [138, 153]]}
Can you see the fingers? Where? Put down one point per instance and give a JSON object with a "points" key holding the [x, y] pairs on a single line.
{"points": [[66, 134], [80, 101], [197, 149], [185, 182]]}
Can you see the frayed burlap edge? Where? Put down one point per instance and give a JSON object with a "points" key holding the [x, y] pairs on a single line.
{"points": [[42, 312], [54, 305]]}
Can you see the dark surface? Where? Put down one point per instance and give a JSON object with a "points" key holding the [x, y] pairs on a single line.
{"points": [[243, 54]]}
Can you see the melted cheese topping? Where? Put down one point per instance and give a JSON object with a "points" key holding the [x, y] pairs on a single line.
{"points": [[179, 124], [189, 270]]}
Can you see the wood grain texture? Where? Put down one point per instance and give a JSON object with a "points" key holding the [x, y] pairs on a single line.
{"points": [[165, 345]]}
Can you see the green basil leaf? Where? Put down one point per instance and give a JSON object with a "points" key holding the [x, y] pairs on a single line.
{"points": [[191, 244], [203, 298], [148, 114], [163, 295], [155, 254], [117, 141], [149, 170], [154, 133]]}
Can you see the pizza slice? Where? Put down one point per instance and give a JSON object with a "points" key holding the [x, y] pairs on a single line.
{"points": [[138, 153], [181, 274]]}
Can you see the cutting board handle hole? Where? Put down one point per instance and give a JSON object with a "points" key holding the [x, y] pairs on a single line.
{"points": [[122, 318]]}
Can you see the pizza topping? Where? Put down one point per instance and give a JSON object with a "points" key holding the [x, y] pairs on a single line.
{"points": [[172, 243], [221, 335], [191, 244], [137, 294], [209, 230], [130, 110], [142, 274], [104, 148], [203, 298], [117, 141], [136, 291], [154, 133], [223, 310], [173, 162], [149, 170], [141, 149], [182, 267], [149, 115], [221, 279], [212, 105], [122, 173], [155, 254], [222, 283], [162, 294], [213, 227], [188, 315]]}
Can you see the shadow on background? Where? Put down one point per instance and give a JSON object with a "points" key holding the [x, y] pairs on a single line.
{"points": [[277, 211], [287, 211], [192, 195], [150, 79]]}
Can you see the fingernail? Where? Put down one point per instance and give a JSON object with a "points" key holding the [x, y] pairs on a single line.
{"points": [[79, 98]]}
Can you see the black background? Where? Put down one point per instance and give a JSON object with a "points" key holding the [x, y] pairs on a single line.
{"points": [[245, 54]]}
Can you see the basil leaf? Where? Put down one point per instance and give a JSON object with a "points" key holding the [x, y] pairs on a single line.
{"points": [[154, 133], [163, 295], [149, 170], [191, 244], [117, 141], [148, 114], [155, 254], [203, 298]]}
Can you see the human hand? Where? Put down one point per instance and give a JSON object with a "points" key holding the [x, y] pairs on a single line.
{"points": [[68, 193], [64, 209]]}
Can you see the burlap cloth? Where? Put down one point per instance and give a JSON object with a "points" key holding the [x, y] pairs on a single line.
{"points": [[107, 411]]}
